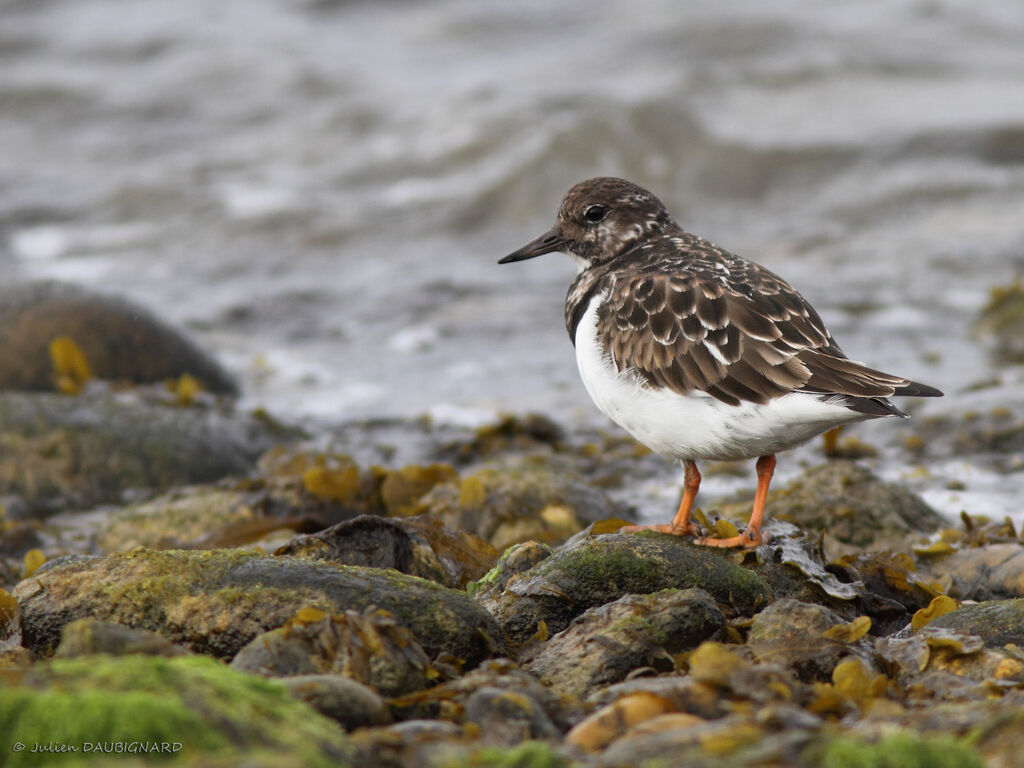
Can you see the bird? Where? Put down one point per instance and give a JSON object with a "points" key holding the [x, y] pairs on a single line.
{"points": [[699, 354]]}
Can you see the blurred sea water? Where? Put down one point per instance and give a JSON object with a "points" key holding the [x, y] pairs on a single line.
{"points": [[320, 190]]}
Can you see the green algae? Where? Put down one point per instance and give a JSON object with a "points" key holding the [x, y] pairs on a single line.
{"points": [[195, 702], [899, 750]]}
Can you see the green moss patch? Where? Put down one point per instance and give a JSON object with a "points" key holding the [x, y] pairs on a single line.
{"points": [[899, 750], [96, 709]]}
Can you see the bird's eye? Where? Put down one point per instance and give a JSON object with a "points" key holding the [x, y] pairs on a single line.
{"points": [[595, 213]]}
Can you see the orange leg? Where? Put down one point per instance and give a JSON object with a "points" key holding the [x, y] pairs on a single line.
{"points": [[680, 525], [831, 437], [751, 537]]}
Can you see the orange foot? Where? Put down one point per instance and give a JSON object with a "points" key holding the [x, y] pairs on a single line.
{"points": [[747, 540], [690, 529]]}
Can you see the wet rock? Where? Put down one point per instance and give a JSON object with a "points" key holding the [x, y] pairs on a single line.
{"points": [[890, 587], [85, 637], [508, 718], [411, 744], [940, 664], [610, 722], [338, 478], [10, 620], [607, 642], [214, 713], [58, 451], [1001, 321], [734, 740], [121, 341], [350, 703], [855, 509], [292, 490], [675, 692], [793, 565], [881, 586], [510, 434], [370, 648], [517, 559], [450, 699], [999, 738], [984, 424], [796, 635], [991, 572], [997, 622], [16, 657], [228, 514], [217, 601], [402, 488], [519, 501], [733, 733], [730, 671], [17, 536], [601, 569], [420, 546]]}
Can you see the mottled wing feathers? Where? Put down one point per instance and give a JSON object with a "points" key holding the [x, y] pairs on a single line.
{"points": [[734, 330]]}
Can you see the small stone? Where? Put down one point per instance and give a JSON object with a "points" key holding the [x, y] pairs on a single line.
{"points": [[607, 642], [795, 635], [350, 703], [996, 622], [368, 647], [85, 637], [508, 718]]}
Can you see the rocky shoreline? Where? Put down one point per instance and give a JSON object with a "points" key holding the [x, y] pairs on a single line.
{"points": [[178, 572]]}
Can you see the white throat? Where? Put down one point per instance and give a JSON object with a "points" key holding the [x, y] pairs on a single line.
{"points": [[581, 263]]}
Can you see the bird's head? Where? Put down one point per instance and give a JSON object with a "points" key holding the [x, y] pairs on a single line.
{"points": [[598, 220]]}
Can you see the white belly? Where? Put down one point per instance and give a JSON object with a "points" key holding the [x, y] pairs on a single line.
{"points": [[698, 426]]}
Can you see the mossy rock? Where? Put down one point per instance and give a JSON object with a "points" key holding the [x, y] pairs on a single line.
{"points": [[600, 569], [201, 710], [217, 601]]}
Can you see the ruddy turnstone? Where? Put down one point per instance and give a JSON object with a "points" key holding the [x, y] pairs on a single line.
{"points": [[696, 352]]}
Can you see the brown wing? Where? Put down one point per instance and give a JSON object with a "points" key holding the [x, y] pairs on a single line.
{"points": [[741, 341]]}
